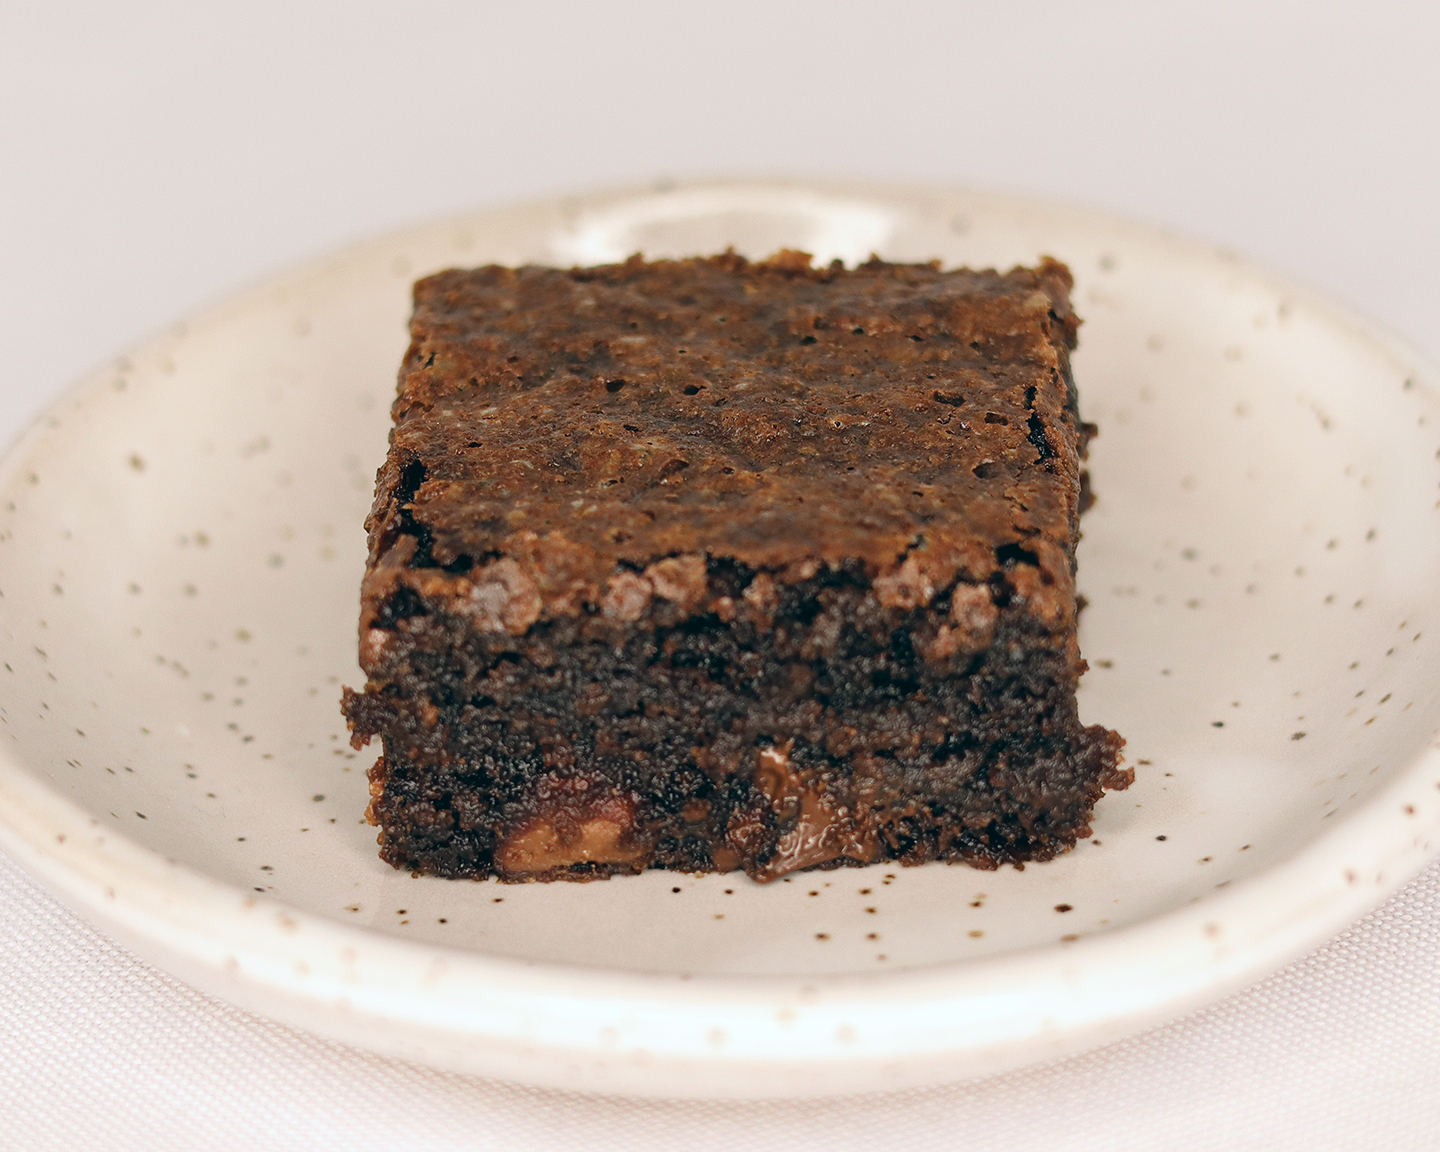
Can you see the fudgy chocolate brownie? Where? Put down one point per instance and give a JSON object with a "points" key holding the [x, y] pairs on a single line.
{"points": [[710, 565]]}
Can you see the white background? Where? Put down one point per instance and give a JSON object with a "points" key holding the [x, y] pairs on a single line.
{"points": [[156, 156]]}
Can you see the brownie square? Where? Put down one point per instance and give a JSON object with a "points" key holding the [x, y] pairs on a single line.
{"points": [[714, 565]]}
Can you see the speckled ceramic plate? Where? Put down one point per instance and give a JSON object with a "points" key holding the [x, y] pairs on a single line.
{"points": [[180, 548]]}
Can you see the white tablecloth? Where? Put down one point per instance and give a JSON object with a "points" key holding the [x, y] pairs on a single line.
{"points": [[100, 1051], [156, 154]]}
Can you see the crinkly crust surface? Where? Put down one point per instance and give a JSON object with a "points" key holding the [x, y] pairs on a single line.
{"points": [[555, 430]]}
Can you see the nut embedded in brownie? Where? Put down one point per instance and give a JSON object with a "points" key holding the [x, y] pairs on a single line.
{"points": [[711, 565]]}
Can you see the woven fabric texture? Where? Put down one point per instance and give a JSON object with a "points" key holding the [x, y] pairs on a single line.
{"points": [[99, 1051]]}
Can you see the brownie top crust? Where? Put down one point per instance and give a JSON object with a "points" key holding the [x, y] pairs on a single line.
{"points": [[567, 440]]}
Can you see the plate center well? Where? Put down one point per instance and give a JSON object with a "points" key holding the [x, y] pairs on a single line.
{"points": [[180, 551]]}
